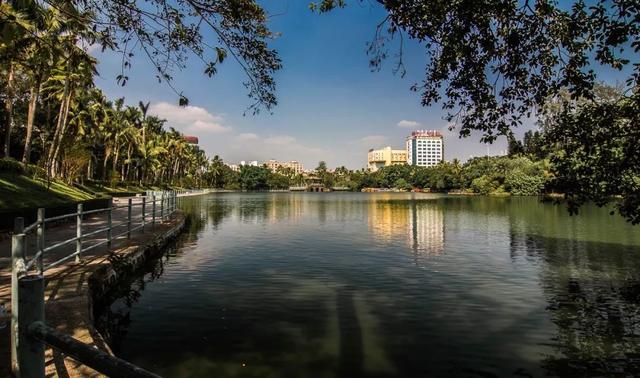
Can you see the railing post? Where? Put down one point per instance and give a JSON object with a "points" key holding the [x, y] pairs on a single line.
{"points": [[30, 350], [129, 218], [109, 223], [79, 233], [153, 211], [40, 240], [17, 260], [162, 199], [144, 212]]}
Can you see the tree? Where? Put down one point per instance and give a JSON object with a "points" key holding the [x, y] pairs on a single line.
{"points": [[322, 167], [323, 174], [38, 60], [215, 172], [254, 178], [169, 32], [498, 60], [514, 147], [598, 162], [493, 63], [278, 181]]}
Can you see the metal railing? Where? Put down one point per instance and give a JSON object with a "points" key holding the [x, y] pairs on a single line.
{"points": [[28, 331]]}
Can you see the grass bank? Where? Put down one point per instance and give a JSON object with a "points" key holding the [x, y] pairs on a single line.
{"points": [[19, 191]]}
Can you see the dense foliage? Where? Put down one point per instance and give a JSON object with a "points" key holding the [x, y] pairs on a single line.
{"points": [[517, 175], [53, 115], [596, 163]]}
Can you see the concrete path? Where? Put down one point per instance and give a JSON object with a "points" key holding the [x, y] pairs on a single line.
{"points": [[67, 299]]}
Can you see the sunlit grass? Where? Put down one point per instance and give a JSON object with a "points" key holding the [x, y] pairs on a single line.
{"points": [[17, 191]]}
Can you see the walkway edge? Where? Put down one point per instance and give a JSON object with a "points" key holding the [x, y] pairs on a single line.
{"points": [[73, 314]]}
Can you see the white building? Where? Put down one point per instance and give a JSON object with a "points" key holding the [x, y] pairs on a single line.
{"points": [[425, 148]]}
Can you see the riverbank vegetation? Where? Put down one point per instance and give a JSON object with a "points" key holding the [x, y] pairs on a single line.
{"points": [[516, 175], [490, 64], [66, 133]]}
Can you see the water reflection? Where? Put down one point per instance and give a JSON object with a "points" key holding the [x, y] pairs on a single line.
{"points": [[593, 294], [316, 285], [419, 222]]}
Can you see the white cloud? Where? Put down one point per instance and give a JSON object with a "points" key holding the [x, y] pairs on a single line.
{"points": [[247, 136], [409, 124], [189, 119]]}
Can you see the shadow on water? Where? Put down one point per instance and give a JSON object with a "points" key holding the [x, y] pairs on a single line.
{"points": [[593, 295], [112, 309], [113, 321], [350, 360]]}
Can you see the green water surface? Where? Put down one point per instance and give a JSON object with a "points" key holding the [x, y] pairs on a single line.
{"points": [[386, 285]]}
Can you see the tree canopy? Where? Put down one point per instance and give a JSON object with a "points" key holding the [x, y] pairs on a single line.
{"points": [[491, 63], [494, 63], [166, 33]]}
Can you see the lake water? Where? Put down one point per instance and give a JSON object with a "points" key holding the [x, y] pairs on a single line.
{"points": [[386, 285]]}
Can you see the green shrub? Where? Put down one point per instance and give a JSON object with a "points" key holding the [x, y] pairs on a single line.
{"points": [[11, 165], [484, 185], [520, 183], [402, 184]]}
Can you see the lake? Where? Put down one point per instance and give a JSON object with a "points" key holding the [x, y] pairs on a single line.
{"points": [[385, 285]]}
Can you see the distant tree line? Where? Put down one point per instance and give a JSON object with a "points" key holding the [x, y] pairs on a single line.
{"points": [[517, 175]]}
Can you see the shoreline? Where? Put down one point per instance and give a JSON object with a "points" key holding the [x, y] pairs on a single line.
{"points": [[72, 289]]}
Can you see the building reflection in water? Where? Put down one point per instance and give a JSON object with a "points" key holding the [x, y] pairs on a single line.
{"points": [[420, 223]]}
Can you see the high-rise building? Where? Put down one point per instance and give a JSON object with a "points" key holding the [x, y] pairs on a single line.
{"points": [[385, 157], [425, 148]]}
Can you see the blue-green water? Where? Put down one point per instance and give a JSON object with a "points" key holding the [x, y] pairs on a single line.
{"points": [[386, 285]]}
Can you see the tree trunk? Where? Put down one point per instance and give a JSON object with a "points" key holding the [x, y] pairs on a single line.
{"points": [[61, 135], [52, 148], [129, 151], [8, 111], [31, 113], [107, 154], [115, 157]]}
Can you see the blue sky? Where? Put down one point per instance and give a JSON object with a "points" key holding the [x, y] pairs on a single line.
{"points": [[331, 106]]}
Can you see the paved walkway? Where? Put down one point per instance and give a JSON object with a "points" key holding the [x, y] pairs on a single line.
{"points": [[66, 285]]}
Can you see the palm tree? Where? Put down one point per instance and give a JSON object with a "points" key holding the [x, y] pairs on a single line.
{"points": [[16, 37], [70, 78], [144, 108], [39, 59]]}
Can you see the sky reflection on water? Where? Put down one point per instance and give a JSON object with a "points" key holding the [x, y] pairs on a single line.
{"points": [[379, 285]]}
